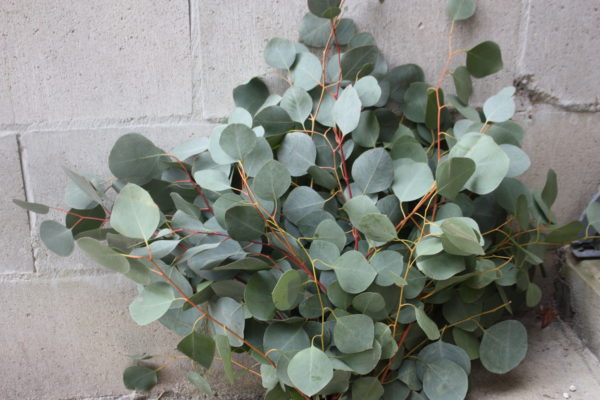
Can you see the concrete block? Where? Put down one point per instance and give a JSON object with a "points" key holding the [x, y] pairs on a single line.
{"points": [[80, 60], [45, 153], [567, 143], [583, 280], [243, 29], [71, 339], [418, 36], [561, 51], [16, 256]]}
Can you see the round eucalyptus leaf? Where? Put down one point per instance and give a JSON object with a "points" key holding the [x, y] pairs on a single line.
{"points": [[461, 9], [322, 177], [244, 223], [346, 111], [491, 163], [314, 31], [275, 121], [310, 370], [415, 101], [297, 153], [258, 157], [288, 290], [103, 254], [442, 351], [353, 272], [194, 146], [229, 313], [324, 8], [139, 378], [306, 73], [412, 180], [389, 265], [373, 170], [300, 202], [459, 237], [429, 246], [519, 160], [282, 338], [508, 132], [362, 39], [134, 213], [271, 181], [408, 149], [364, 362], [134, 158], [371, 304], [445, 380], [377, 227], [217, 154], [401, 77], [441, 266], [330, 231], [452, 174], [407, 373], [251, 95], [237, 140], [383, 334], [297, 102], [368, 91], [308, 224], [240, 115], [198, 347], [367, 131], [484, 59], [396, 390], [354, 333], [358, 62], [462, 82], [152, 303], [338, 297], [500, 107], [359, 206], [503, 346], [212, 179], [325, 111], [468, 112], [466, 341], [280, 53], [57, 238], [367, 388]]}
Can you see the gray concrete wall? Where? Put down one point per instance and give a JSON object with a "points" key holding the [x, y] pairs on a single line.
{"points": [[74, 75]]}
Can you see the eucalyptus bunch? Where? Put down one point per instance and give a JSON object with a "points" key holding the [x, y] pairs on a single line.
{"points": [[362, 235]]}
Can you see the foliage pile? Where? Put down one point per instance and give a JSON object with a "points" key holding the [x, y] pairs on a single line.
{"points": [[361, 236]]}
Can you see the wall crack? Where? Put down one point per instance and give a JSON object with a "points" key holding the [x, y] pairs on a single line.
{"points": [[527, 87]]}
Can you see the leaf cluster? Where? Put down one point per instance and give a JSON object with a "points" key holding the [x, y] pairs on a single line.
{"points": [[362, 235]]}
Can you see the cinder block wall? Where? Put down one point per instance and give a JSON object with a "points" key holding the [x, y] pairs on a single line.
{"points": [[74, 75]]}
